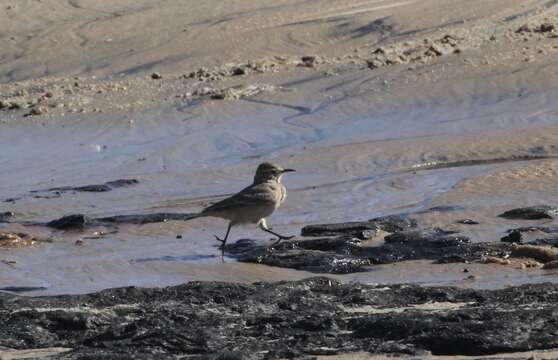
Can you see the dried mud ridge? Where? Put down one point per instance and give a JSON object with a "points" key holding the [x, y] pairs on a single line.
{"points": [[317, 316]]}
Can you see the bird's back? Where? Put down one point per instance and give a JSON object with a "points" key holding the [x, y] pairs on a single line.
{"points": [[250, 204]]}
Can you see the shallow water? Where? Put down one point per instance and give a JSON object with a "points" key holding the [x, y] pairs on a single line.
{"points": [[351, 165]]}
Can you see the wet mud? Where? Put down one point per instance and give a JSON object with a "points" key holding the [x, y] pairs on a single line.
{"points": [[382, 109], [58, 191], [345, 248], [316, 316]]}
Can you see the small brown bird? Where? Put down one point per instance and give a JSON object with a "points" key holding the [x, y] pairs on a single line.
{"points": [[254, 203]]}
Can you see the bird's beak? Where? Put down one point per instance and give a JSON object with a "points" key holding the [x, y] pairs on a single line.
{"points": [[287, 170]]}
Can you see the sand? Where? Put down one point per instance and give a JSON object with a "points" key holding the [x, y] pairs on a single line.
{"points": [[383, 107]]}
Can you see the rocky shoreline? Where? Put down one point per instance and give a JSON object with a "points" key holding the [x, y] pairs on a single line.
{"points": [[307, 318], [340, 249]]}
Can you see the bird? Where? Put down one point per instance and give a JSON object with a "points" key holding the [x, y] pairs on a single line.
{"points": [[254, 203]]}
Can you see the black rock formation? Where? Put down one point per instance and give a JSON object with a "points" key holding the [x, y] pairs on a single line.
{"points": [[531, 213], [346, 254], [5, 216], [318, 316], [361, 229]]}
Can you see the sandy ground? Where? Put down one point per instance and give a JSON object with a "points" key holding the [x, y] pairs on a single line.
{"points": [[550, 354], [383, 107]]}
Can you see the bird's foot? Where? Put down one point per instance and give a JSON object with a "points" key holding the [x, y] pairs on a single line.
{"points": [[285, 237], [280, 238], [222, 241]]}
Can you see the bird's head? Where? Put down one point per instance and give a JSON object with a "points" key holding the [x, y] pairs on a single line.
{"points": [[269, 171]]}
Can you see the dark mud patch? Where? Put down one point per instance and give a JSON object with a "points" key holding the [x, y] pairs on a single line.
{"points": [[347, 254], [146, 218], [74, 222], [6, 216], [467, 222], [318, 255], [361, 229], [108, 186], [548, 235], [317, 316], [531, 213], [81, 221], [22, 289], [56, 192], [544, 229]]}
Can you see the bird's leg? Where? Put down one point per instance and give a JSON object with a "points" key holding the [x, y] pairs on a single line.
{"points": [[264, 227], [224, 240]]}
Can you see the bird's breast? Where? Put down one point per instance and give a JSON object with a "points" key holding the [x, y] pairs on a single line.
{"points": [[283, 191]]}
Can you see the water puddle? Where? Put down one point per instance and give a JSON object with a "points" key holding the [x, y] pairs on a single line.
{"points": [[163, 162]]}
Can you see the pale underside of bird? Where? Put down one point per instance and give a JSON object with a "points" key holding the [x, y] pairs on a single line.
{"points": [[254, 203]]}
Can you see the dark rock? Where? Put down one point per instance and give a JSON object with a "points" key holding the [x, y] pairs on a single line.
{"points": [[546, 27], [545, 229], [525, 28], [513, 237], [122, 183], [80, 221], [145, 218], [553, 241], [5, 216], [309, 61], [327, 255], [374, 63], [344, 253], [70, 222], [108, 186], [436, 238], [467, 222], [361, 229], [445, 208], [393, 223], [208, 320], [236, 71], [36, 111], [91, 188], [531, 213], [436, 246], [156, 76]]}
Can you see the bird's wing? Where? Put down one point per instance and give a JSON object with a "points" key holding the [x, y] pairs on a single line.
{"points": [[259, 194]]}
